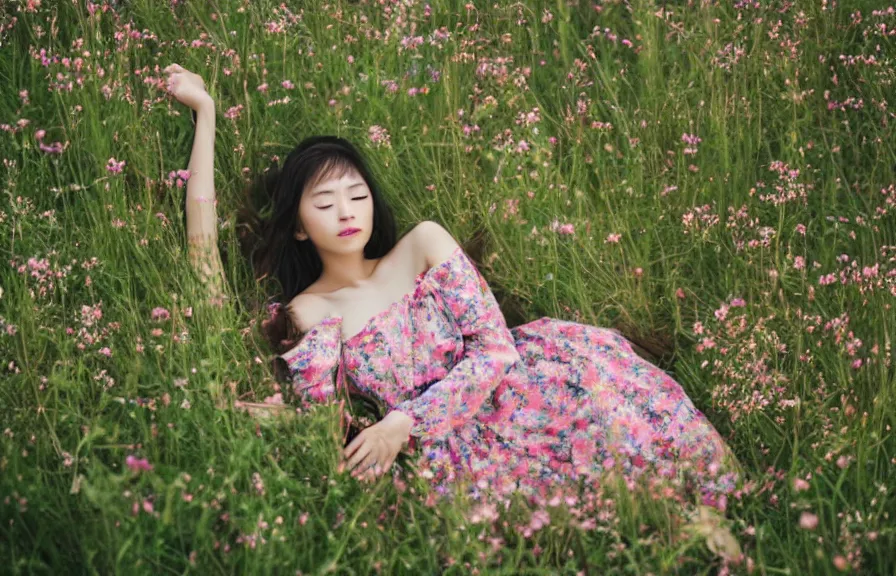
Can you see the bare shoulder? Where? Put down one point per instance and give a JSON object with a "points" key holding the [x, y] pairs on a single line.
{"points": [[306, 310], [432, 243]]}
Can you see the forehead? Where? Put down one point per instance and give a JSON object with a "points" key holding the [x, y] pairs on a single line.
{"points": [[333, 174]]}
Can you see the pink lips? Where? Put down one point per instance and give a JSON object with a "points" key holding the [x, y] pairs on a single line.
{"points": [[349, 231]]}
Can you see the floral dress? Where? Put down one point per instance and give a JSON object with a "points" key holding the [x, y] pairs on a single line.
{"points": [[513, 409]]}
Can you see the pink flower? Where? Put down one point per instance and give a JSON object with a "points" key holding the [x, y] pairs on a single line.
{"points": [[54, 148], [113, 166], [275, 399], [722, 312], [287, 84], [614, 238], [808, 521], [840, 563], [39, 135], [160, 313], [566, 229], [137, 464], [800, 485]]}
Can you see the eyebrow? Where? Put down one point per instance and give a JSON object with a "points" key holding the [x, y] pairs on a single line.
{"points": [[325, 191]]}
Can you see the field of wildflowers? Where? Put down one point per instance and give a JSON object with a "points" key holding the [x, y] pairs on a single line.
{"points": [[719, 175]]}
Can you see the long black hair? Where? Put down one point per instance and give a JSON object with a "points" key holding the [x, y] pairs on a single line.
{"points": [[296, 264], [269, 241]]}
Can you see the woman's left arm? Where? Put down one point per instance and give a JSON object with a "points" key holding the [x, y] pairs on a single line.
{"points": [[489, 349], [201, 213]]}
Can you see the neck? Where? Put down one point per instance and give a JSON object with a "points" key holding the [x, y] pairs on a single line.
{"points": [[346, 270]]}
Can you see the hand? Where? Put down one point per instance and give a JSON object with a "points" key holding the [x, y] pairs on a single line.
{"points": [[378, 444], [188, 88]]}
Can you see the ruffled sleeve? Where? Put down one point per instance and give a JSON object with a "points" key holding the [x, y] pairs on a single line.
{"points": [[313, 363], [489, 352]]}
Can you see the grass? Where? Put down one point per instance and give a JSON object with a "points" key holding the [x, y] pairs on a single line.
{"points": [[764, 253]]}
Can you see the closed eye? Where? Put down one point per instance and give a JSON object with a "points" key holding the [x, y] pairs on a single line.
{"points": [[330, 205]]}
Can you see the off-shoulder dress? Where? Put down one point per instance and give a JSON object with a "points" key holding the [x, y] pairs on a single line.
{"points": [[514, 409]]}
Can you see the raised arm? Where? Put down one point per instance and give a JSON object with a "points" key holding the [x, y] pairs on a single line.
{"points": [[202, 219]]}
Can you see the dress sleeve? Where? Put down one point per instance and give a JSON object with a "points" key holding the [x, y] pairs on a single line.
{"points": [[313, 363], [489, 352]]}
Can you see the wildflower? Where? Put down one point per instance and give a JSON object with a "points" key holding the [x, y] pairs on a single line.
{"points": [[233, 112], [800, 485], [160, 313], [113, 166], [808, 521], [614, 238], [54, 148], [722, 312], [840, 563], [378, 135], [137, 464], [275, 399], [258, 483]]}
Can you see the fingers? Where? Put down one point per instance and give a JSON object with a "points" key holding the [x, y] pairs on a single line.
{"points": [[360, 455], [171, 82], [364, 464], [173, 68], [356, 442], [372, 474]]}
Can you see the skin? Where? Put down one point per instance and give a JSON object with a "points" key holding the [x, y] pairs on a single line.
{"points": [[325, 209], [349, 285]]}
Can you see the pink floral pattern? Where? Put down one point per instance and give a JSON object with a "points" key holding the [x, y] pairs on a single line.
{"points": [[514, 410]]}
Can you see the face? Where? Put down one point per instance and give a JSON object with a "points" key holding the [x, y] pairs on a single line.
{"points": [[332, 206]]}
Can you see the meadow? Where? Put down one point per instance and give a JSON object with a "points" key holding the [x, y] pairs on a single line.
{"points": [[715, 179]]}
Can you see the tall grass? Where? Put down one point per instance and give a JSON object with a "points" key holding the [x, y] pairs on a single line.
{"points": [[728, 172]]}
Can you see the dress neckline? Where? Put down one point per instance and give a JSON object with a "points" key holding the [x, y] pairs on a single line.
{"points": [[336, 319]]}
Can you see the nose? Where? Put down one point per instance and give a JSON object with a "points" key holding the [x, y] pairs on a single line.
{"points": [[345, 210]]}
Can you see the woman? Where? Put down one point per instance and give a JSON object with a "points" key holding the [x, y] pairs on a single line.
{"points": [[413, 325]]}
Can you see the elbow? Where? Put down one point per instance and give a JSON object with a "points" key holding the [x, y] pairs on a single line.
{"points": [[503, 358]]}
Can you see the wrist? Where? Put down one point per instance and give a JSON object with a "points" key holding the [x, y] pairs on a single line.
{"points": [[405, 421], [206, 108]]}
